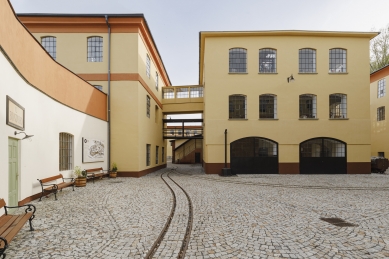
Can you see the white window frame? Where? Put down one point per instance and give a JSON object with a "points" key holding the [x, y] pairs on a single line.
{"points": [[381, 88]]}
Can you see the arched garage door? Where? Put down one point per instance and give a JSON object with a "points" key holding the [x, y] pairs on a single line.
{"points": [[254, 155], [323, 156]]}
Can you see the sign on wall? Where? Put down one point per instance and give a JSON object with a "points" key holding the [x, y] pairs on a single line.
{"points": [[15, 114], [92, 150]]}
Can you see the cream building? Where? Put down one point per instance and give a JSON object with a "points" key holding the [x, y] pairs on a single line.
{"points": [[118, 55], [46, 112], [291, 101], [378, 102]]}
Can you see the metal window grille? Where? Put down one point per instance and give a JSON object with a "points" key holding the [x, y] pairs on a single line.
{"points": [[156, 155], [167, 93], [307, 105], [338, 106], [381, 113], [338, 58], [323, 147], [237, 107], [381, 154], [267, 61], [267, 106], [381, 89], [254, 147], [95, 49], [148, 154], [100, 87], [50, 45], [156, 80], [148, 66], [182, 92], [307, 61], [238, 60], [148, 106], [65, 151], [163, 154], [196, 92]]}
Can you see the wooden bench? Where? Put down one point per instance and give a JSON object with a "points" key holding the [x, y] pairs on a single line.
{"points": [[54, 187], [11, 224], [95, 173]]}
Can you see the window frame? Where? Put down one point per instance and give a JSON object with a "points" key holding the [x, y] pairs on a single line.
{"points": [[156, 80], [163, 154], [156, 155], [304, 67], [381, 88], [307, 114], [335, 63], [230, 113], [239, 56], [381, 113], [148, 155], [50, 46], [148, 65], [95, 52], [264, 59], [148, 101], [337, 112], [66, 151], [266, 115]]}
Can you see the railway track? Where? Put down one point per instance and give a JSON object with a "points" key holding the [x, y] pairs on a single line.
{"points": [[173, 219]]}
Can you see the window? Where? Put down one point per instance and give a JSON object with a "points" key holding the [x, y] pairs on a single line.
{"points": [[307, 106], [267, 61], [182, 92], [196, 92], [148, 154], [167, 93], [148, 106], [381, 113], [100, 87], [381, 154], [156, 113], [238, 60], [156, 80], [65, 151], [156, 155], [163, 154], [307, 61], [381, 89], [237, 107], [148, 66], [267, 106], [50, 45], [338, 61], [338, 106], [95, 49]]}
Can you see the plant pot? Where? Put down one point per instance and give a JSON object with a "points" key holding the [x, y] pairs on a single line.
{"points": [[112, 174], [80, 182]]}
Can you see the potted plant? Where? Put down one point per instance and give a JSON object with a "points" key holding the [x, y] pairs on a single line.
{"points": [[80, 177], [113, 171]]}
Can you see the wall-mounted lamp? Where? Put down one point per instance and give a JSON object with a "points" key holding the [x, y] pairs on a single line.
{"points": [[291, 78], [26, 136]]}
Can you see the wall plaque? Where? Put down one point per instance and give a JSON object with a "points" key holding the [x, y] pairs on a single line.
{"points": [[92, 150], [15, 114]]}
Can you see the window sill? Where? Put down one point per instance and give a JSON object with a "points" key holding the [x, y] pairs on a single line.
{"points": [[307, 119], [268, 119], [307, 73], [237, 119], [237, 73], [338, 119], [261, 73], [339, 73]]}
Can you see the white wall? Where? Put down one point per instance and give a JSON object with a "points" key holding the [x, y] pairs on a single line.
{"points": [[45, 118]]}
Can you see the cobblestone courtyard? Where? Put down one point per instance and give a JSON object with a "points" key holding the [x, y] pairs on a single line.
{"points": [[245, 216]]}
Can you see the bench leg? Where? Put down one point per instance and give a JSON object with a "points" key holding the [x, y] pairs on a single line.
{"points": [[31, 228], [40, 199], [55, 194], [2, 250]]}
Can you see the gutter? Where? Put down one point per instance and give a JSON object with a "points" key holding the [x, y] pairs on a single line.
{"points": [[109, 92]]}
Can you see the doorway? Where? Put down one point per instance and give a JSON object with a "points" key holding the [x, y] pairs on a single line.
{"points": [[13, 172]]}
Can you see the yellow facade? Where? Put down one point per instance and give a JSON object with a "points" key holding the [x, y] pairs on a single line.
{"points": [[131, 43], [288, 130]]}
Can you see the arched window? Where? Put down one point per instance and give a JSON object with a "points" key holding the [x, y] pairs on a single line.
{"points": [[267, 61], [307, 106], [267, 106], [95, 49], [238, 60], [338, 106], [307, 61], [338, 61], [237, 106], [65, 151], [50, 45]]}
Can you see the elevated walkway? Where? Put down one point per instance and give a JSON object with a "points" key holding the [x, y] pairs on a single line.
{"points": [[182, 132], [183, 99]]}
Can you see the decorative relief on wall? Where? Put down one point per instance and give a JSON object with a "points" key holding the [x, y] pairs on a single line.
{"points": [[92, 150]]}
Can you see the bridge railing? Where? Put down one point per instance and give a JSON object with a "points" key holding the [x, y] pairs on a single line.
{"points": [[183, 92], [178, 133]]}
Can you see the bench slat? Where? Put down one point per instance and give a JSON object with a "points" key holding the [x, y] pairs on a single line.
{"points": [[94, 169], [2, 203], [5, 222], [16, 226], [50, 179]]}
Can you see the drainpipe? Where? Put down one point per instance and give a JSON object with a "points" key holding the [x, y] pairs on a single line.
{"points": [[109, 92]]}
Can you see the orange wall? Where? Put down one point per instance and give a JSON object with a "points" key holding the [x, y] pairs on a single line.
{"points": [[40, 70]]}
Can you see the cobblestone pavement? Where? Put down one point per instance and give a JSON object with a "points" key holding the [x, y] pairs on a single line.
{"points": [[245, 216]]}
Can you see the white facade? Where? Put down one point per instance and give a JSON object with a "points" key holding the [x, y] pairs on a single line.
{"points": [[45, 118]]}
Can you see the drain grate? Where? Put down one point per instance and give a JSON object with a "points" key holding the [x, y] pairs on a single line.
{"points": [[338, 222]]}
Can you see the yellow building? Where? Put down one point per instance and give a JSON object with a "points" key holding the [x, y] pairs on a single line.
{"points": [[291, 101], [118, 55], [378, 101]]}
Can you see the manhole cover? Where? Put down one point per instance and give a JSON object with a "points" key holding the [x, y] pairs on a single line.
{"points": [[338, 222]]}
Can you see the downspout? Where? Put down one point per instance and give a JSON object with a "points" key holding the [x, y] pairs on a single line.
{"points": [[109, 92]]}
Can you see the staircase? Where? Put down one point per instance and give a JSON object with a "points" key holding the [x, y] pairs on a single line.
{"points": [[186, 153]]}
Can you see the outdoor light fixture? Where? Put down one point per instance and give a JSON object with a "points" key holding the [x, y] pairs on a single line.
{"points": [[291, 78], [26, 136]]}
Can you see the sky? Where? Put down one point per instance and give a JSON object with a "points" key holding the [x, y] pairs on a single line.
{"points": [[175, 24]]}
